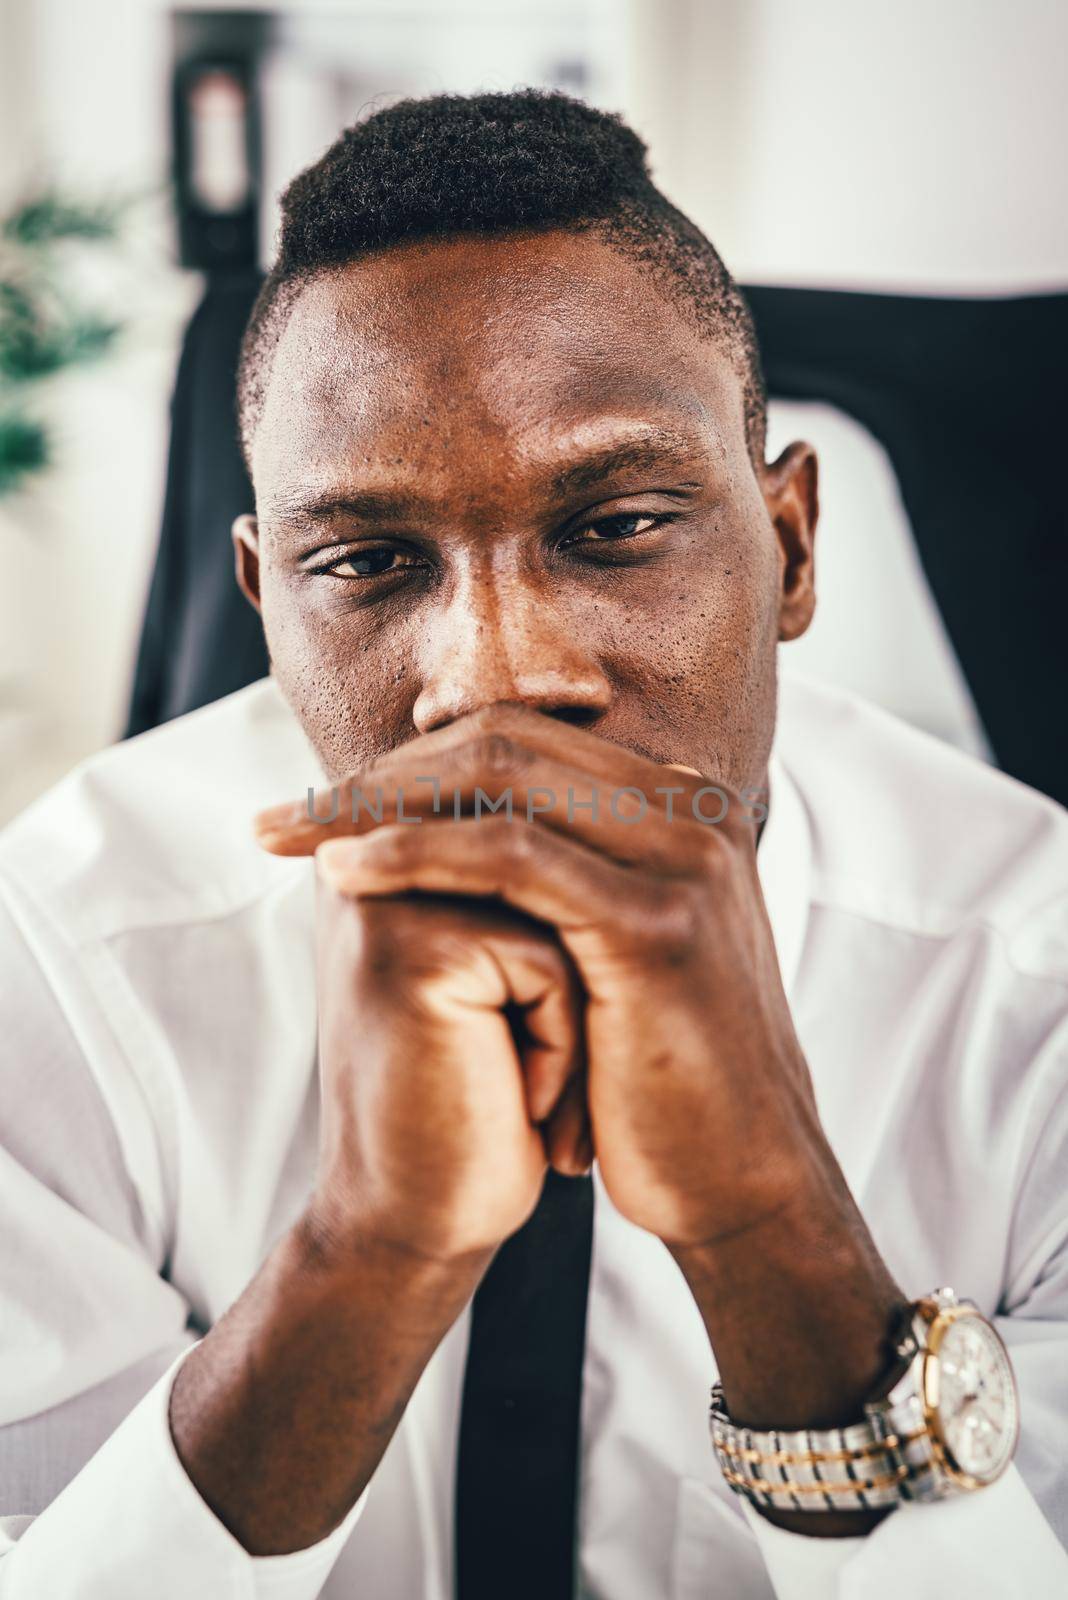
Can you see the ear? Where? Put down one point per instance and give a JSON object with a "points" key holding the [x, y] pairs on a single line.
{"points": [[790, 488], [246, 536]]}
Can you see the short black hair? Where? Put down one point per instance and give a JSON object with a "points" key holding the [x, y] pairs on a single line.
{"points": [[485, 165]]}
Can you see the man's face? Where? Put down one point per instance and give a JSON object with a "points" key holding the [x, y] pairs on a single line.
{"points": [[513, 471]]}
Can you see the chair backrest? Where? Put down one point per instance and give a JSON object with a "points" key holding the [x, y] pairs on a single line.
{"points": [[964, 396], [200, 638]]}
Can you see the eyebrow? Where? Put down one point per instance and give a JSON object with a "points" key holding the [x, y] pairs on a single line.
{"points": [[370, 505], [652, 451]]}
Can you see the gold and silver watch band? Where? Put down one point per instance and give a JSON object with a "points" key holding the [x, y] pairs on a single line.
{"points": [[878, 1462], [948, 1425]]}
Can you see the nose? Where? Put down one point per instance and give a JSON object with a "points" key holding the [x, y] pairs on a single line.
{"points": [[501, 640]]}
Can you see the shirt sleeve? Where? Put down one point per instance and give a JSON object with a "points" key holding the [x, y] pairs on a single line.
{"points": [[94, 1501], [132, 1511], [1004, 1540], [989, 1545]]}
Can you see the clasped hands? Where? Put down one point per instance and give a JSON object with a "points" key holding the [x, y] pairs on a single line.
{"points": [[504, 989]]}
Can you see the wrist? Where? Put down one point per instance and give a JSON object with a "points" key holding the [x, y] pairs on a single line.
{"points": [[799, 1308], [316, 1361], [346, 1259], [754, 1214]]}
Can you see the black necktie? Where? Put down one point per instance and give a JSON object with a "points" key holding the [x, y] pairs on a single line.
{"points": [[517, 1471]]}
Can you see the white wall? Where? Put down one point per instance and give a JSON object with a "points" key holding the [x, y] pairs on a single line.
{"points": [[917, 145], [85, 107], [936, 160]]}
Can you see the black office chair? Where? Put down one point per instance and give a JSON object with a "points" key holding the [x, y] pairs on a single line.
{"points": [[964, 396]]}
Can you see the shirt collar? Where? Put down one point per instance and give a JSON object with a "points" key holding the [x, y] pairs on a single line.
{"points": [[784, 865]]}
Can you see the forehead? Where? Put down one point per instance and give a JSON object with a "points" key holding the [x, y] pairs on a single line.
{"points": [[434, 356]]}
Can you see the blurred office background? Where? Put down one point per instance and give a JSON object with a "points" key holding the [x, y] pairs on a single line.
{"points": [[913, 149]]}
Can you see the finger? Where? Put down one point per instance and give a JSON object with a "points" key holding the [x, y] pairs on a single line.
{"points": [[661, 824], [504, 733], [567, 1136], [499, 960], [553, 1053], [499, 741], [493, 748], [595, 904]]}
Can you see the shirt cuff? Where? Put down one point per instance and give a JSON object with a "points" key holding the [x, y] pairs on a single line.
{"points": [[989, 1544], [134, 1510], [800, 1566]]}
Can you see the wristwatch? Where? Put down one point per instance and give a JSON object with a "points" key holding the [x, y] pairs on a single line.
{"points": [[948, 1425]]}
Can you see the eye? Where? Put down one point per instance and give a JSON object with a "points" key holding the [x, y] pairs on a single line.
{"points": [[606, 530], [376, 562]]}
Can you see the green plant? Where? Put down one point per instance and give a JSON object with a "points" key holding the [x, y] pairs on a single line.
{"points": [[47, 320]]}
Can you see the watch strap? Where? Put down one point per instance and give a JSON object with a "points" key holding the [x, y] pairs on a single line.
{"points": [[900, 1423], [876, 1463], [893, 1454], [857, 1468]]}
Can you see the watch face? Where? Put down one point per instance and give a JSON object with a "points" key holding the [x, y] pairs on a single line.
{"points": [[977, 1407]]}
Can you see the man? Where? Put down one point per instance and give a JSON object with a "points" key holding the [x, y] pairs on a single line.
{"points": [[567, 893]]}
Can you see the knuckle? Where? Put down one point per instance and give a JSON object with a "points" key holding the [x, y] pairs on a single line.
{"points": [[494, 752], [392, 846], [503, 716], [670, 920], [520, 840], [712, 851], [366, 943], [325, 860], [395, 936], [381, 951]]}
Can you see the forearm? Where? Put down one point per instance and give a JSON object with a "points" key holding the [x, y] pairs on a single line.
{"points": [[283, 1412], [799, 1308]]}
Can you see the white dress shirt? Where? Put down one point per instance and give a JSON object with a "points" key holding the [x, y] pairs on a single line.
{"points": [[159, 1111]]}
